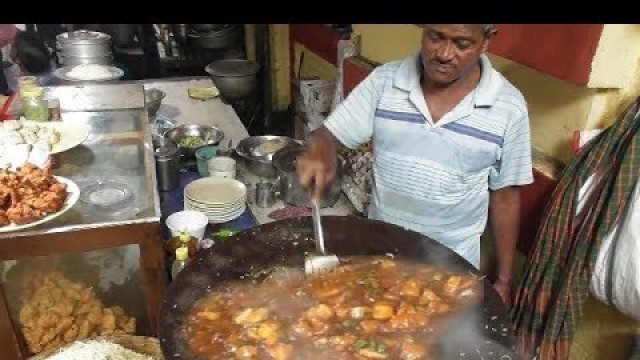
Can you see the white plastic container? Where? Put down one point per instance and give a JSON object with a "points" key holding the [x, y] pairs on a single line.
{"points": [[194, 222]]}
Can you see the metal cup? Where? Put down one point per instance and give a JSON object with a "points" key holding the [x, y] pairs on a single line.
{"points": [[265, 195], [167, 168]]}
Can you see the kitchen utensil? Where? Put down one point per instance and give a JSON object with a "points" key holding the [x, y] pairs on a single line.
{"points": [[84, 47], [153, 99], [261, 166], [291, 192], [167, 168], [211, 135], [107, 195], [203, 155], [222, 166], [255, 251], [265, 195], [213, 40], [320, 261], [194, 222], [235, 78], [220, 199]]}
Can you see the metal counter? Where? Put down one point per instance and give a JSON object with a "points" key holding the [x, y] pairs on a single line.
{"points": [[117, 152]]}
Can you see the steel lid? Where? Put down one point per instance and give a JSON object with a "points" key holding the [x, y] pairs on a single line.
{"points": [[83, 37], [233, 67]]}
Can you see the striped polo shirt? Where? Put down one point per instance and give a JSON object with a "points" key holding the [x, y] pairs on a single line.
{"points": [[435, 178]]}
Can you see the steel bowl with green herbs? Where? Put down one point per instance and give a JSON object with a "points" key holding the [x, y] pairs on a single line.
{"points": [[191, 137]]}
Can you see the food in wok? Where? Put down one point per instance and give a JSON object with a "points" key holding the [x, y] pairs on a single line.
{"points": [[372, 307]]}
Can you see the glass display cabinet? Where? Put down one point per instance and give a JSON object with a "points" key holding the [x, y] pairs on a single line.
{"points": [[97, 269]]}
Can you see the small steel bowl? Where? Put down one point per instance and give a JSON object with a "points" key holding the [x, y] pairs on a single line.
{"points": [[153, 98], [210, 134], [257, 163]]}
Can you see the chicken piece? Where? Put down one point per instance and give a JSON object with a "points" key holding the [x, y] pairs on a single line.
{"points": [[452, 284], [268, 332], [342, 312], [382, 311], [280, 351], [251, 316], [33, 335], [409, 350], [71, 334], [208, 315], [342, 342], [327, 290], [63, 308], [359, 312], [26, 314], [35, 347], [4, 219], [246, 352], [95, 316], [370, 326], [130, 326], [47, 320], [428, 296], [64, 324], [84, 329], [439, 307], [302, 327], [411, 288], [108, 323], [321, 312], [48, 336]]}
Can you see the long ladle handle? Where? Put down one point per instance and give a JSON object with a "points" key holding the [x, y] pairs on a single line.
{"points": [[317, 226]]}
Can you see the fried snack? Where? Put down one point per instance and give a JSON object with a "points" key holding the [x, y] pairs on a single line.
{"points": [[56, 311], [29, 194]]}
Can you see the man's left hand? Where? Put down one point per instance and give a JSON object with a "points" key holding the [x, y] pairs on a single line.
{"points": [[504, 290]]}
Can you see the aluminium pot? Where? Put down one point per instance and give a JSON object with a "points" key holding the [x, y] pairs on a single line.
{"points": [[248, 256], [261, 166], [290, 190], [207, 27], [235, 78], [84, 47], [214, 40]]}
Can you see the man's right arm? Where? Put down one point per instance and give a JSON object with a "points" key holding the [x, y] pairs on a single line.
{"points": [[351, 123]]}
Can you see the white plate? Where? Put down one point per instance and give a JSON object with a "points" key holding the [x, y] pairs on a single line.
{"points": [[218, 219], [73, 194], [71, 134], [215, 191], [215, 206]]}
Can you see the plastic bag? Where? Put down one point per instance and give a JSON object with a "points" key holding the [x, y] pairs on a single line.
{"points": [[616, 276]]}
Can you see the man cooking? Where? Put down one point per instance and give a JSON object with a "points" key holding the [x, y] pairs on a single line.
{"points": [[451, 144]]}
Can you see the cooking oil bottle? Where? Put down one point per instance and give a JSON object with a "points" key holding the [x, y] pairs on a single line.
{"points": [[184, 239], [181, 261]]}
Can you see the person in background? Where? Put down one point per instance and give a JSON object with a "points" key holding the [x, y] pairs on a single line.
{"points": [[7, 34], [451, 144], [34, 58]]}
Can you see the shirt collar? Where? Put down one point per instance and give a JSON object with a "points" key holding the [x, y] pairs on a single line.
{"points": [[486, 92]]}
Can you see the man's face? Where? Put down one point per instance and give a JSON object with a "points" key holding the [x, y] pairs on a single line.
{"points": [[450, 51]]}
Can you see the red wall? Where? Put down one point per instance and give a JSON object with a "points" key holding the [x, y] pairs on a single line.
{"points": [[565, 51]]}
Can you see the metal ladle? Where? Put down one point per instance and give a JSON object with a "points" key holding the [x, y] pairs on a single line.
{"points": [[320, 261]]}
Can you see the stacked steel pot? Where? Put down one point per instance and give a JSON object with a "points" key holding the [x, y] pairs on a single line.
{"points": [[84, 47]]}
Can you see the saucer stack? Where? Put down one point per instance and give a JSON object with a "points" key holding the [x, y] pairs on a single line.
{"points": [[221, 199]]}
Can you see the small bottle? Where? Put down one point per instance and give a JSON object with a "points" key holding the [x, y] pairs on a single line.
{"points": [[34, 106], [185, 239], [181, 261], [53, 103]]}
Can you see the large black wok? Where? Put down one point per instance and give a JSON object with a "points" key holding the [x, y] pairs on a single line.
{"points": [[479, 333]]}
